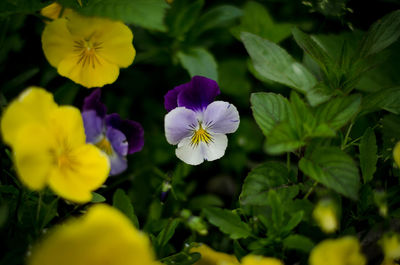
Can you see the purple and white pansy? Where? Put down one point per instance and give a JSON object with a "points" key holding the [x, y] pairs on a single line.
{"points": [[197, 123], [113, 135]]}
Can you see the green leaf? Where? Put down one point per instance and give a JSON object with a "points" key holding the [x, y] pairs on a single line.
{"points": [[368, 155], [387, 99], [320, 93], [311, 47], [233, 79], [294, 220], [182, 258], [96, 198], [198, 61], [283, 138], [148, 14], [217, 17], [338, 111], [333, 168], [228, 222], [10, 7], [168, 231], [274, 63], [298, 242], [269, 109], [182, 16], [277, 211], [203, 201], [381, 34], [257, 20], [122, 202], [265, 177]]}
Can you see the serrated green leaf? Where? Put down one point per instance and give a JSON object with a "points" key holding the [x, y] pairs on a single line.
{"points": [[267, 176], [148, 14], [228, 222], [387, 99], [198, 61], [333, 168], [368, 155], [320, 93], [338, 111], [269, 109], [381, 34], [122, 202], [274, 63], [257, 20], [298, 242], [283, 138]]}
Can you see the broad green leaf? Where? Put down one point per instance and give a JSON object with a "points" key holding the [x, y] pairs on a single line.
{"points": [[148, 14], [338, 111], [274, 63], [269, 109], [283, 138], [168, 231], [311, 47], [228, 222], [182, 16], [381, 34], [97, 198], [122, 202], [320, 93], [182, 258], [198, 61], [298, 242], [368, 155], [333, 168], [387, 99], [257, 20], [217, 17]]}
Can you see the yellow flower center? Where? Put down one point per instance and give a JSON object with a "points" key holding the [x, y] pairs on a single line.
{"points": [[105, 146], [200, 135], [86, 50]]}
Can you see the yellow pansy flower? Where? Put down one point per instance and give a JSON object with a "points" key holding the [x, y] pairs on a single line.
{"points": [[391, 247], [212, 257], [342, 251], [325, 215], [259, 260], [101, 236], [88, 50], [53, 11], [49, 148], [396, 154]]}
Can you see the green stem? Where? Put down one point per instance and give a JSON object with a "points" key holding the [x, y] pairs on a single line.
{"points": [[310, 190], [39, 207], [347, 136]]}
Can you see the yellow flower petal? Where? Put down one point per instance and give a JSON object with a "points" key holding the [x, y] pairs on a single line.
{"points": [[212, 257], [67, 125], [32, 157], [51, 11], [345, 250], [79, 172], [391, 246], [396, 154], [32, 106], [102, 236], [259, 260], [88, 71], [57, 41]]}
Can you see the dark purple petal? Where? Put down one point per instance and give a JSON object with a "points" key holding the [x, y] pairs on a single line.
{"points": [[118, 141], [133, 131], [194, 95], [200, 92], [92, 102], [118, 164], [171, 98], [93, 126]]}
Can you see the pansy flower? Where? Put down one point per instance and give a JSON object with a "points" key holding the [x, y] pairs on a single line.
{"points": [[115, 136], [197, 123], [88, 50], [49, 148]]}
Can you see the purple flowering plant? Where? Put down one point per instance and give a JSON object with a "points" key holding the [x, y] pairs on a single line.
{"points": [[196, 123], [114, 136]]}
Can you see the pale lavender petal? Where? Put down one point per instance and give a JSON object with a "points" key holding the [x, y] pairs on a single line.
{"points": [[92, 102], [118, 164], [118, 141], [221, 117], [132, 130], [93, 126], [179, 123], [198, 93]]}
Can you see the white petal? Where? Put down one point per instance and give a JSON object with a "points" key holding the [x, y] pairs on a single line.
{"points": [[215, 149], [192, 155], [221, 117], [179, 123]]}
